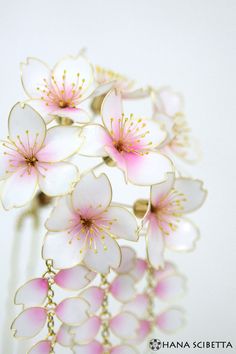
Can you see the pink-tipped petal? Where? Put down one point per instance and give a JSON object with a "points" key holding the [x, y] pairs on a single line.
{"points": [[125, 325], [184, 238], [111, 110], [94, 137], [62, 249], [170, 287], [29, 322], [32, 293], [148, 169], [122, 288], [155, 244], [19, 188], [74, 278], [99, 196], [193, 192], [86, 332], [124, 349], [72, 311], [160, 190], [171, 320], [139, 269], [138, 306], [124, 224], [128, 260], [61, 215], [56, 140], [42, 347], [144, 330], [107, 256], [94, 296], [168, 269], [33, 73], [57, 179], [26, 126], [64, 336], [91, 348]]}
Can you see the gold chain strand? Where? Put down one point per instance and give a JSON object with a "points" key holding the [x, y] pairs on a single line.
{"points": [[50, 305], [150, 294], [105, 315]]}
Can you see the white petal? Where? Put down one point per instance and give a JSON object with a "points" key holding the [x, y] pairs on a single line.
{"points": [[41, 107], [62, 249], [122, 288], [61, 142], [29, 322], [124, 349], [156, 134], [125, 325], [128, 259], [91, 348], [19, 188], [73, 66], [64, 337], [124, 224], [184, 238], [94, 296], [86, 332], [170, 102], [155, 244], [92, 192], [106, 257], [72, 311], [32, 74], [138, 306], [103, 88], [42, 347], [61, 215], [32, 293], [193, 192], [148, 169], [58, 178], [26, 127], [94, 136], [74, 278], [160, 190], [171, 320], [111, 108]]}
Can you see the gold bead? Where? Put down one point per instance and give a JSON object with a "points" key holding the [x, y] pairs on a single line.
{"points": [[109, 162], [140, 208], [96, 104], [64, 121]]}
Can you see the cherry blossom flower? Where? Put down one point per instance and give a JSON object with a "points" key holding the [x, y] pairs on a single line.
{"points": [[58, 91], [33, 157], [165, 223], [168, 110], [108, 79], [83, 227], [130, 142]]}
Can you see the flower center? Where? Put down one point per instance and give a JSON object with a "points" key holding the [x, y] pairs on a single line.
{"points": [[87, 223], [168, 210], [130, 135], [31, 161], [60, 92]]}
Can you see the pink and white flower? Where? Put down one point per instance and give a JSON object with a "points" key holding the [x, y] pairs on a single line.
{"points": [[83, 227], [166, 226], [108, 79], [130, 142], [96, 347], [33, 157], [58, 91], [168, 110]]}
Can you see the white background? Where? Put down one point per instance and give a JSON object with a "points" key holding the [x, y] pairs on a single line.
{"points": [[188, 44]]}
